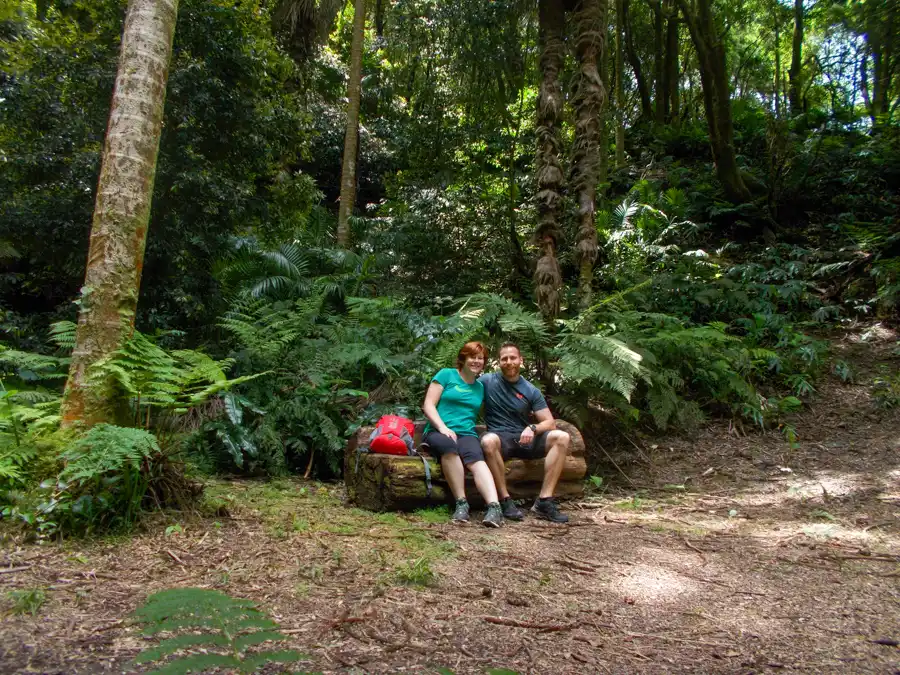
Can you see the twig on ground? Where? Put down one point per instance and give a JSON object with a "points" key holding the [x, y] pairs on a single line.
{"points": [[625, 475], [669, 638], [694, 548], [543, 627], [175, 557], [108, 626], [11, 570]]}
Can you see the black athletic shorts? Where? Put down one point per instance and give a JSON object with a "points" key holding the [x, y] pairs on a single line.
{"points": [[510, 446], [467, 447]]}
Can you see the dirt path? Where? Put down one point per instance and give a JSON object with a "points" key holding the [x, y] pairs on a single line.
{"points": [[724, 554]]}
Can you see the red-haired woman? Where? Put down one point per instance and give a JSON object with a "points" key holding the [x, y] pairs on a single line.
{"points": [[451, 405]]}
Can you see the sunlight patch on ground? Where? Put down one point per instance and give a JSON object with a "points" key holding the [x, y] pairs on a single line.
{"points": [[649, 583]]}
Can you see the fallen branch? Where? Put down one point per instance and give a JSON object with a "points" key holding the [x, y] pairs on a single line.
{"points": [[543, 627], [175, 557], [10, 570]]}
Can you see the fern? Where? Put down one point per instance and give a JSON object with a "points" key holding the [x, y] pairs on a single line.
{"points": [[107, 450], [221, 628]]}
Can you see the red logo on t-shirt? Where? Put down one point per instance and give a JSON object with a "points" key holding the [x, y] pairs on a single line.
{"points": [[519, 396]]}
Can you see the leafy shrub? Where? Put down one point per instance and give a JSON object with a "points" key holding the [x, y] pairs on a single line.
{"points": [[216, 631]]}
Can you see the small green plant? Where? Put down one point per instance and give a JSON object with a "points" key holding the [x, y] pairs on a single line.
{"points": [[417, 572], [28, 601], [596, 481], [438, 514], [174, 529], [215, 629], [886, 391]]}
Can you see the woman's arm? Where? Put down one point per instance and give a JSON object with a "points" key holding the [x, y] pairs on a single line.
{"points": [[429, 407]]}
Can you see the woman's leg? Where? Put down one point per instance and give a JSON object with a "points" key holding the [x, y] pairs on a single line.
{"points": [[484, 481], [455, 474]]}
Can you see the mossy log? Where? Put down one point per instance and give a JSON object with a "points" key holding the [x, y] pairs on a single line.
{"points": [[396, 483]]}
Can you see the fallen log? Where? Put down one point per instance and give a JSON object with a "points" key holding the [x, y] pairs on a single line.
{"points": [[395, 483]]}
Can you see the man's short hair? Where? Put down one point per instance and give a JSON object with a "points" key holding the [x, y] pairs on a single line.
{"points": [[510, 345]]}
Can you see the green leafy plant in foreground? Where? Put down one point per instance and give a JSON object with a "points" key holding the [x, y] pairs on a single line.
{"points": [[28, 601], [213, 630]]}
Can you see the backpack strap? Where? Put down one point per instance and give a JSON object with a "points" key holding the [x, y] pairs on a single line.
{"points": [[359, 451], [427, 472]]}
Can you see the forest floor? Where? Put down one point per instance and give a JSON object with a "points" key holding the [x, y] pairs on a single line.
{"points": [[725, 553]]}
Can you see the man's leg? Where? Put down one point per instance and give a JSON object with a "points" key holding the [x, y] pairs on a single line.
{"points": [[493, 455], [557, 450]]}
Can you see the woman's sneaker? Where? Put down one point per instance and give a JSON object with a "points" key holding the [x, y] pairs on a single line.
{"points": [[548, 509], [510, 510], [494, 516], [461, 513]]}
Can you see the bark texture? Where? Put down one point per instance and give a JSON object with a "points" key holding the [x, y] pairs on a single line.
{"points": [[635, 62], [661, 104], [397, 483], [794, 85], [549, 174], [351, 137], [672, 103], [710, 49], [122, 208], [590, 103], [620, 88]]}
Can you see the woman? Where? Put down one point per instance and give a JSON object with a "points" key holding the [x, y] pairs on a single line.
{"points": [[452, 402]]}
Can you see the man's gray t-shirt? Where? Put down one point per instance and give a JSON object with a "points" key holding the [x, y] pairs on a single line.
{"points": [[508, 405]]}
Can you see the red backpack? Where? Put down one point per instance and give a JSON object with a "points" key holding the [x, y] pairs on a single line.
{"points": [[393, 435]]}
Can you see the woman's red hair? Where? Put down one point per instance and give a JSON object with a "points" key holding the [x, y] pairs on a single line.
{"points": [[470, 349]]}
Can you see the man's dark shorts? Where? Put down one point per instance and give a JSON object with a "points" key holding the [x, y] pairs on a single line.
{"points": [[510, 446], [467, 447]]}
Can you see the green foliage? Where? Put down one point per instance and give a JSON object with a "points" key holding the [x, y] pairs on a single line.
{"points": [[886, 390], [27, 601], [211, 629]]}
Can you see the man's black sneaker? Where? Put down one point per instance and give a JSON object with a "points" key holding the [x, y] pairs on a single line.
{"points": [[461, 513], [510, 510], [548, 509], [494, 516]]}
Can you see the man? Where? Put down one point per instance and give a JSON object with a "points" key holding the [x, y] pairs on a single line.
{"points": [[509, 401]]}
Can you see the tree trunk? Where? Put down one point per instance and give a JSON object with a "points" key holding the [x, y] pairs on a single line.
{"points": [[547, 275], [351, 137], [634, 60], [379, 18], [661, 90], [672, 70], [794, 84], [589, 101], [777, 83], [716, 97], [620, 89], [122, 208]]}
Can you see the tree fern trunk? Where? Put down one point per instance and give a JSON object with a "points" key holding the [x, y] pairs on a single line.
{"points": [[351, 138], [589, 101], [122, 208], [547, 276], [796, 60], [620, 88]]}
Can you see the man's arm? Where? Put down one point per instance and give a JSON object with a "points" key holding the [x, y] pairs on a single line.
{"points": [[546, 422]]}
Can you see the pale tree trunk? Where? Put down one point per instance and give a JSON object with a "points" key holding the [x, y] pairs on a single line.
{"points": [[547, 275], [351, 138], [122, 208], [589, 101], [716, 97], [796, 61], [620, 89]]}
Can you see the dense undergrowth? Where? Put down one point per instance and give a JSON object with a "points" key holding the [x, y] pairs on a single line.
{"points": [[680, 334]]}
